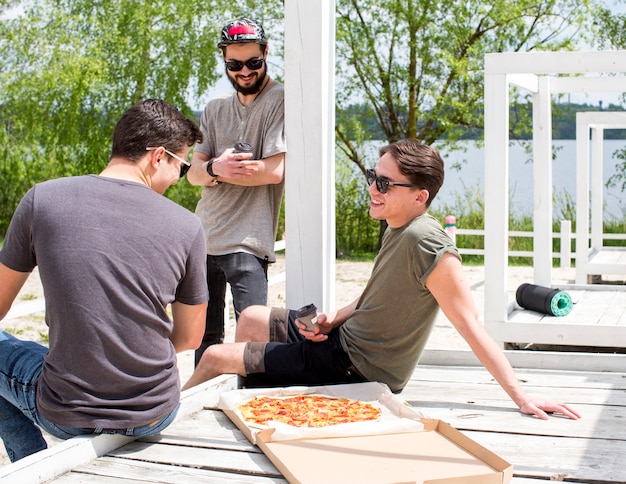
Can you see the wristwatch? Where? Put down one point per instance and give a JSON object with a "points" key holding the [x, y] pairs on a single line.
{"points": [[209, 170]]}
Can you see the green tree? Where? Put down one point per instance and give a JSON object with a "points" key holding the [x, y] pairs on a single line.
{"points": [[69, 68], [611, 30], [419, 64]]}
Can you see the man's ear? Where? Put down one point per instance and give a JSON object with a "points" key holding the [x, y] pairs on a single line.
{"points": [[155, 157], [423, 196]]}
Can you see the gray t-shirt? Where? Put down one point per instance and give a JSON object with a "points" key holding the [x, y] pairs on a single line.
{"points": [[387, 332], [112, 255], [239, 218]]}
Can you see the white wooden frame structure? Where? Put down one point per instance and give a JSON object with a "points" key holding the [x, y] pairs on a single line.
{"points": [[592, 257], [310, 165], [542, 74]]}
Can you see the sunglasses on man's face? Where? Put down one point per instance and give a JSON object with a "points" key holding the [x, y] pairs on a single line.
{"points": [[184, 168], [252, 64], [382, 185]]}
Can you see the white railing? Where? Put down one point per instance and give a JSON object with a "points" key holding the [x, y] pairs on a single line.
{"points": [[565, 236]]}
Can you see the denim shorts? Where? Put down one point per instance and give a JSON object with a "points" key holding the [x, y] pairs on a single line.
{"points": [[291, 359]]}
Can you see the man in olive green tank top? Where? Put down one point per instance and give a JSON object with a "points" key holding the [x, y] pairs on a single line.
{"points": [[381, 335]]}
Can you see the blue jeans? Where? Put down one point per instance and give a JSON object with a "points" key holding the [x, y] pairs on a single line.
{"points": [[20, 421], [247, 276]]}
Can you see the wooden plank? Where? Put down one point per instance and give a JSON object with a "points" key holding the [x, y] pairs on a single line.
{"points": [[472, 393], [206, 428], [527, 359], [562, 333], [536, 377], [571, 459], [108, 469], [201, 458], [47, 464], [597, 422]]}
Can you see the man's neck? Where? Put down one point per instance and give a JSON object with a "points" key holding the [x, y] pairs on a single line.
{"points": [[122, 169]]}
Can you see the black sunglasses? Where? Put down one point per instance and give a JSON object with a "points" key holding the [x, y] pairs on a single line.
{"points": [[252, 64], [383, 185]]}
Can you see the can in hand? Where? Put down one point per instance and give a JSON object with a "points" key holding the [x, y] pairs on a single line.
{"points": [[243, 147], [307, 315]]}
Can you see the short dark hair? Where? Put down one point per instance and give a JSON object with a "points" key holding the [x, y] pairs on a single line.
{"points": [[152, 122], [420, 163]]}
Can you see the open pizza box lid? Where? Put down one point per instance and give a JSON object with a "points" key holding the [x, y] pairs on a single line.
{"points": [[403, 446]]}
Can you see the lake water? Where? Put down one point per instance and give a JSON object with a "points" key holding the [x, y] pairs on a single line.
{"points": [[471, 175]]}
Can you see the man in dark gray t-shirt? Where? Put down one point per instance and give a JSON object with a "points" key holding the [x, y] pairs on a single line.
{"points": [[113, 254]]}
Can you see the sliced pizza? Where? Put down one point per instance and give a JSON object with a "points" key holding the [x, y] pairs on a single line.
{"points": [[307, 410]]}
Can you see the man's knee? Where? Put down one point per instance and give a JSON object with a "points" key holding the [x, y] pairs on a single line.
{"points": [[253, 324]]}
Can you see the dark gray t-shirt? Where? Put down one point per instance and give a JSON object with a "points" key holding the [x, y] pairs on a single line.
{"points": [[112, 255], [388, 330]]}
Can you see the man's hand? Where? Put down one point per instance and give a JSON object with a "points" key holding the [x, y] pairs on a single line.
{"points": [[324, 324], [541, 409], [232, 164]]}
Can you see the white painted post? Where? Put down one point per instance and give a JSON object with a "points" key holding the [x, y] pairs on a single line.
{"points": [[582, 200], [310, 164], [566, 244], [496, 192], [597, 186], [542, 183]]}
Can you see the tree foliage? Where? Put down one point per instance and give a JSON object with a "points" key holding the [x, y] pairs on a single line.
{"points": [[419, 63], [611, 29], [69, 68]]}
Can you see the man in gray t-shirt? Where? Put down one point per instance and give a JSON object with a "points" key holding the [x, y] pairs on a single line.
{"points": [[242, 191], [113, 254]]}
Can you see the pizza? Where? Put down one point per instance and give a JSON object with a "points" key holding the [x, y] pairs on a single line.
{"points": [[307, 410]]}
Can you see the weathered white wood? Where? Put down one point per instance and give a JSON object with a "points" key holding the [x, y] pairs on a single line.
{"points": [[198, 397], [46, 464], [206, 446], [589, 164], [310, 165], [531, 359], [597, 185], [117, 469], [496, 195], [564, 85], [542, 183], [587, 450], [556, 62], [473, 394], [550, 379], [580, 460], [501, 70], [200, 458]]}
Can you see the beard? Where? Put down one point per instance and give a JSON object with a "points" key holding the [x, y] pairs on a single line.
{"points": [[254, 88]]}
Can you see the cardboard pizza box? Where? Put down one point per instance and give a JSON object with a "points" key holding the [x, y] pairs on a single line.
{"points": [[403, 447]]}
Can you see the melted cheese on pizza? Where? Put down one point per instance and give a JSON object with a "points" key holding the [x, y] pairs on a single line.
{"points": [[307, 410]]}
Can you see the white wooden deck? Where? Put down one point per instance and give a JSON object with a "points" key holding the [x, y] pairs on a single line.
{"points": [[202, 445]]}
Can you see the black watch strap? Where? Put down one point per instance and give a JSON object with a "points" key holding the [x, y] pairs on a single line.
{"points": [[209, 168]]}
